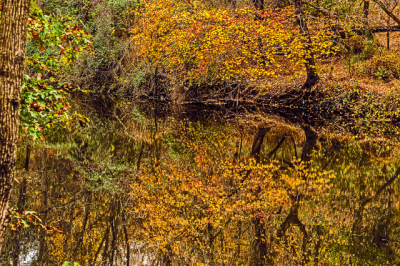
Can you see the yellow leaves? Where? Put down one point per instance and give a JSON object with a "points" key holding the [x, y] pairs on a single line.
{"points": [[202, 44], [206, 14], [177, 202]]}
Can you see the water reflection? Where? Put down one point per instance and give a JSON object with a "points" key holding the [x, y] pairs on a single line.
{"points": [[193, 186]]}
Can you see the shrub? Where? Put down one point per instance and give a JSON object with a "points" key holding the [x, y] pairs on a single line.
{"points": [[383, 65], [200, 44], [109, 69], [369, 50]]}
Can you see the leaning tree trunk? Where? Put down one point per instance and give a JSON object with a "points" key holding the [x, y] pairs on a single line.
{"points": [[13, 24], [312, 76]]}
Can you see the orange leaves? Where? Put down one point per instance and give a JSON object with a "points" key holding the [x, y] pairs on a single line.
{"points": [[201, 44], [176, 202]]}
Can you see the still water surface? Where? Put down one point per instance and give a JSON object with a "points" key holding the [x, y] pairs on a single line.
{"points": [[184, 187]]}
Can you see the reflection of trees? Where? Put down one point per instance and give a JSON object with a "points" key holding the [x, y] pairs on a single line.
{"points": [[343, 198]]}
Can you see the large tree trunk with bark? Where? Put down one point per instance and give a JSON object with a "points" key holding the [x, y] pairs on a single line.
{"points": [[13, 24]]}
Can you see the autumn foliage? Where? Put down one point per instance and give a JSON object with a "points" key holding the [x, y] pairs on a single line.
{"points": [[182, 206], [54, 44], [192, 41], [187, 207]]}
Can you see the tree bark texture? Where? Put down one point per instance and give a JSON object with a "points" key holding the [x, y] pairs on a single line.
{"points": [[13, 25], [312, 76]]}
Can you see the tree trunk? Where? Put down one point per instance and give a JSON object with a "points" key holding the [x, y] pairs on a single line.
{"points": [[258, 4], [258, 140], [293, 216], [44, 208], [367, 31], [209, 260], [21, 207], [127, 246], [310, 144], [258, 248], [387, 11], [13, 24], [388, 34], [232, 3], [312, 76]]}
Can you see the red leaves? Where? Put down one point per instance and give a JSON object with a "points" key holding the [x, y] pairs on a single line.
{"points": [[62, 41], [35, 36], [52, 228], [35, 105]]}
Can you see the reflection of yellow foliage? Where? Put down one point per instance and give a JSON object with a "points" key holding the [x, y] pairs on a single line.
{"points": [[198, 190], [180, 203]]}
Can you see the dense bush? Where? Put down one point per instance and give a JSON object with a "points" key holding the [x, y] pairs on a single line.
{"points": [[108, 21], [200, 45], [383, 65]]}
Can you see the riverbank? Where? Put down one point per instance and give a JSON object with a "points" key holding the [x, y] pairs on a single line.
{"points": [[354, 106]]}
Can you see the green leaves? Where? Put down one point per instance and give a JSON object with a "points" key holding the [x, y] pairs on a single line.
{"points": [[54, 43], [70, 264]]}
